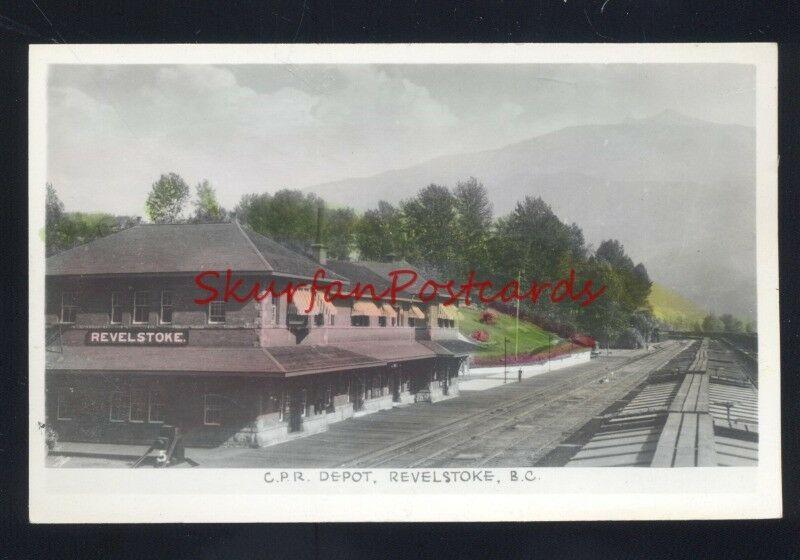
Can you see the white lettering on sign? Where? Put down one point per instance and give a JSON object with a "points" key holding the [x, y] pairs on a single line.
{"points": [[137, 337]]}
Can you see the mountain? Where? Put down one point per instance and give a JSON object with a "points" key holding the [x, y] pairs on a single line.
{"points": [[673, 308], [678, 192]]}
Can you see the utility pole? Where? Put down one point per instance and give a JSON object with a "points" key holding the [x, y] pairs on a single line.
{"points": [[516, 335], [505, 359]]}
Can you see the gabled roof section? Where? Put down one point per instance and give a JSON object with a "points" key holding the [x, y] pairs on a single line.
{"points": [[162, 248], [285, 261], [182, 248]]}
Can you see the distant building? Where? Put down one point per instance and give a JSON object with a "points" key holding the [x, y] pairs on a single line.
{"points": [[128, 350]]}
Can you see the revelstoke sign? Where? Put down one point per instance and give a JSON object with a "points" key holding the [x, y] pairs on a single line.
{"points": [[133, 337]]}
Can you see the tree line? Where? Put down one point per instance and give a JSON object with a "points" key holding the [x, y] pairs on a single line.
{"points": [[726, 323], [445, 232]]}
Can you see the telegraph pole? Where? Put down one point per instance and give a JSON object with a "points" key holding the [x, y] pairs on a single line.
{"points": [[505, 359], [516, 335]]}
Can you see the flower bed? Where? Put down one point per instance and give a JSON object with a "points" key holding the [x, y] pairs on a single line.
{"points": [[560, 349]]}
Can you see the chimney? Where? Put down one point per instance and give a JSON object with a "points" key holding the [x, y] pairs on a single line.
{"points": [[317, 248]]}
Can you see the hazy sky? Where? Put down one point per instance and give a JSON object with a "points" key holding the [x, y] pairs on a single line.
{"points": [[114, 129]]}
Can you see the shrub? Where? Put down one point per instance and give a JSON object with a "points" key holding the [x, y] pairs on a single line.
{"points": [[583, 340], [488, 317], [480, 336]]}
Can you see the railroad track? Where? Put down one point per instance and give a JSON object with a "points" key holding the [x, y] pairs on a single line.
{"points": [[463, 430]]}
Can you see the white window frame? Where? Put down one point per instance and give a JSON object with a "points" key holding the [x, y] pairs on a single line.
{"points": [[150, 399], [73, 306], [218, 407], [171, 306], [135, 305], [224, 313], [116, 302], [125, 394], [61, 396]]}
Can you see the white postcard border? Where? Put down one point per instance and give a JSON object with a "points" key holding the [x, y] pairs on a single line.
{"points": [[239, 495]]}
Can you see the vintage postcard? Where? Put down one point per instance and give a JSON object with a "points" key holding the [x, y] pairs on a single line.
{"points": [[403, 282]]}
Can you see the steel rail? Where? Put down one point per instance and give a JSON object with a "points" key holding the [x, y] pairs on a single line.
{"points": [[463, 423]]}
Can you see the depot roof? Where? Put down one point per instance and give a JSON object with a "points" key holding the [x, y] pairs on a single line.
{"points": [[378, 275], [183, 248], [280, 361]]}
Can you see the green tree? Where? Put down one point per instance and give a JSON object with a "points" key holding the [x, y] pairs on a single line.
{"points": [[380, 232], [644, 322], [533, 240], [54, 216], [731, 324], [605, 319], [472, 225], [167, 198], [751, 327], [429, 224], [288, 216], [65, 230], [712, 324], [339, 232], [206, 207]]}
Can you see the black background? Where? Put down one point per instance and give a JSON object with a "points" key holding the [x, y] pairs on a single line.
{"points": [[25, 22]]}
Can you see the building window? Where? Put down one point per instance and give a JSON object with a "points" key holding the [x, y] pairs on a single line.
{"points": [[138, 405], [120, 406], [319, 320], [216, 312], [330, 319], [212, 410], [69, 307], [141, 307], [155, 407], [274, 318], [271, 403], [116, 308], [381, 321], [166, 307], [65, 405], [359, 321]]}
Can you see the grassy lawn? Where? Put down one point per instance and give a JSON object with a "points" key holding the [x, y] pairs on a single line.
{"points": [[531, 337]]}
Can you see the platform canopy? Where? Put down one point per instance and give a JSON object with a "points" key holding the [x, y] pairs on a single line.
{"points": [[388, 311], [416, 312], [448, 312], [301, 299], [366, 308]]}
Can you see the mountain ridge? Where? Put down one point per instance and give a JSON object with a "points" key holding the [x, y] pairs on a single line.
{"points": [[678, 192]]}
